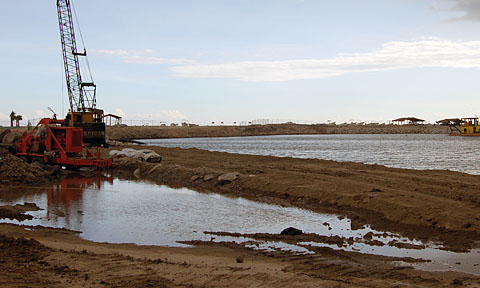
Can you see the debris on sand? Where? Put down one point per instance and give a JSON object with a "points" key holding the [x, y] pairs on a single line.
{"points": [[146, 155]]}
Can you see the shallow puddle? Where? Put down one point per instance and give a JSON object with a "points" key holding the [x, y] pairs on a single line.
{"points": [[111, 210]]}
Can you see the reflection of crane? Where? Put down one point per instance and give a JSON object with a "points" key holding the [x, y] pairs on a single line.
{"points": [[70, 194], [81, 94]]}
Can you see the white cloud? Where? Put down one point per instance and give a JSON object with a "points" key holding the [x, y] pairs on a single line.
{"points": [[4, 117], [162, 115], [121, 52], [38, 114], [431, 52], [119, 112], [174, 114], [141, 59]]}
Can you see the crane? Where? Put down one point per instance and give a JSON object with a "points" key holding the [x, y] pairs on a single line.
{"points": [[83, 110]]}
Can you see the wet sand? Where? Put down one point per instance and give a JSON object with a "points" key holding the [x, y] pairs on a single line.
{"points": [[428, 205], [58, 258]]}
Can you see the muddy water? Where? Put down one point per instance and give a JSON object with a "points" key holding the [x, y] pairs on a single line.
{"points": [[119, 211]]}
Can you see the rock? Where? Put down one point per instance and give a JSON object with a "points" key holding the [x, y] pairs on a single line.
{"points": [[368, 236], [208, 177], [228, 177], [136, 173], [154, 168], [200, 171], [152, 157], [291, 231], [52, 170], [458, 282], [240, 259], [194, 178]]}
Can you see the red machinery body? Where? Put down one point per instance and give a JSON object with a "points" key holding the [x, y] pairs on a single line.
{"points": [[51, 142]]}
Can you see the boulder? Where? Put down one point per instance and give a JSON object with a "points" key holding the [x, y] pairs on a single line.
{"points": [[152, 157], [208, 177], [291, 231], [228, 177], [136, 173], [154, 168]]}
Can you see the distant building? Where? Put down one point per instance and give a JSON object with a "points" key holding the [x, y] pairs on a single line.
{"points": [[408, 121], [450, 121], [112, 120]]}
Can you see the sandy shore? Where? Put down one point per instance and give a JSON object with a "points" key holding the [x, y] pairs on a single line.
{"points": [[428, 205]]}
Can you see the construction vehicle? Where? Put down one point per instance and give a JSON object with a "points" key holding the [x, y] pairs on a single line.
{"points": [[52, 142], [83, 110], [466, 127]]}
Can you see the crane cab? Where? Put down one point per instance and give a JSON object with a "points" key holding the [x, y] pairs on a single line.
{"points": [[92, 124]]}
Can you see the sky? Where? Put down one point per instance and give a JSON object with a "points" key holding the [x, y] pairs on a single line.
{"points": [[232, 61]]}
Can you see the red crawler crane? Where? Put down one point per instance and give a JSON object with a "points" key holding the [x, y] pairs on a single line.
{"points": [[51, 142]]}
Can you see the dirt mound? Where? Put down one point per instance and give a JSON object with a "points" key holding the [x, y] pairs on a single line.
{"points": [[20, 250], [14, 170], [11, 137], [3, 151]]}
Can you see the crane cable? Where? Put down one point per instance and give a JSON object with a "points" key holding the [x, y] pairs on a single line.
{"points": [[83, 43]]}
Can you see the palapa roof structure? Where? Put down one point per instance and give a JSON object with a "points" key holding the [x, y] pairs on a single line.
{"points": [[450, 121], [410, 120]]}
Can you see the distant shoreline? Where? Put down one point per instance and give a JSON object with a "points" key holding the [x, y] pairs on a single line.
{"points": [[163, 132]]}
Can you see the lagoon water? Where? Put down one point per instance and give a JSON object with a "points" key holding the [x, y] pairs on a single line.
{"points": [[413, 151]]}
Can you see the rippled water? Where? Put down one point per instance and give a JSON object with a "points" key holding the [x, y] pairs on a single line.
{"points": [[414, 151], [118, 211]]}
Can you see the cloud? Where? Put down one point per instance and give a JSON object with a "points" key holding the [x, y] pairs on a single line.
{"points": [[142, 57], [121, 52], [38, 114], [174, 114], [139, 59], [471, 8], [119, 112], [4, 117], [163, 115], [429, 52]]}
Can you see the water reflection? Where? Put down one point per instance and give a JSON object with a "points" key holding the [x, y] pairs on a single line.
{"points": [[111, 210], [69, 192]]}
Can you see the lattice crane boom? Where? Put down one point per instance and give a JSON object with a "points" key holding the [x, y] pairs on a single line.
{"points": [[81, 95]]}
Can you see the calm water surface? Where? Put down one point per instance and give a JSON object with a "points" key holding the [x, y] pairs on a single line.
{"points": [[422, 151], [111, 210]]}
